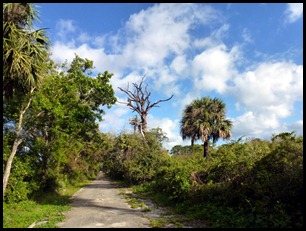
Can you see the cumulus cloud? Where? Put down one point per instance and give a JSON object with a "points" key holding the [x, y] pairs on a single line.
{"points": [[271, 87], [268, 93], [253, 124], [151, 41], [158, 43], [293, 12], [214, 67], [179, 64]]}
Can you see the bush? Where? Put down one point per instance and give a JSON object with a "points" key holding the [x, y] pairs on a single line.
{"points": [[134, 158]]}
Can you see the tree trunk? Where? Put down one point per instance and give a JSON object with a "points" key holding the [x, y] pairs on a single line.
{"points": [[17, 142], [8, 166], [144, 123], [206, 149]]}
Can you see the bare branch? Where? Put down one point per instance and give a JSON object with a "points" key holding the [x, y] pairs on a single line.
{"points": [[159, 101], [139, 101]]}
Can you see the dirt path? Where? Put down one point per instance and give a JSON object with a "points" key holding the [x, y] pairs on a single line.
{"points": [[100, 205]]}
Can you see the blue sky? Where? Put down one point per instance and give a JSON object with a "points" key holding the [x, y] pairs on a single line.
{"points": [[248, 55]]}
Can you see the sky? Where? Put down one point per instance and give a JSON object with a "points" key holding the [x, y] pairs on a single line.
{"points": [[249, 55]]}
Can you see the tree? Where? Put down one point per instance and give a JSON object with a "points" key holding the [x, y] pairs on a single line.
{"points": [[24, 49], [70, 103], [139, 101], [60, 127], [159, 135], [205, 118], [25, 53]]}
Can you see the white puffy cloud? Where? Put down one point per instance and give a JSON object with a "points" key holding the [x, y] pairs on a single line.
{"points": [[214, 67], [179, 64], [270, 88], [171, 128], [115, 119], [156, 42], [293, 12], [254, 124], [268, 93]]}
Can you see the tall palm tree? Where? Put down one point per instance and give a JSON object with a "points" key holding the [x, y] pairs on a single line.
{"points": [[24, 49], [205, 119], [25, 53]]}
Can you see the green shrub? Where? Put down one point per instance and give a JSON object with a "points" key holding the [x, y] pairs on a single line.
{"points": [[134, 158]]}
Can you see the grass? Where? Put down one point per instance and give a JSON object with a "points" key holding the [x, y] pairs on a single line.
{"points": [[43, 211], [25, 213]]}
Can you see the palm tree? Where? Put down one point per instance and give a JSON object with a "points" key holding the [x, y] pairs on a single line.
{"points": [[25, 53], [137, 124], [205, 119], [24, 49], [186, 124]]}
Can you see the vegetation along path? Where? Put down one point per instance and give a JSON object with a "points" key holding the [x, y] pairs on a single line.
{"points": [[101, 204]]}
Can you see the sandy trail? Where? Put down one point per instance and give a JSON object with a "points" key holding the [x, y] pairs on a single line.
{"points": [[100, 205]]}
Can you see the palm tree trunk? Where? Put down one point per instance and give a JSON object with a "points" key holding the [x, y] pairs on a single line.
{"points": [[206, 149]]}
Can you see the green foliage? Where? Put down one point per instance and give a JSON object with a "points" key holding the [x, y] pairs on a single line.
{"points": [[273, 188], [24, 49], [159, 135], [134, 158], [61, 137], [255, 183], [186, 150], [21, 183]]}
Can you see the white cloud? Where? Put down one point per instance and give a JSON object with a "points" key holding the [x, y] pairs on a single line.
{"points": [[296, 126], [84, 37], [171, 128], [214, 67], [156, 42], [271, 87], [253, 124], [179, 64], [293, 12], [126, 82], [268, 93], [63, 27], [115, 119], [214, 39]]}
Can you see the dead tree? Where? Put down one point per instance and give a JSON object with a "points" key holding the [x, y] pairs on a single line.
{"points": [[139, 101]]}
